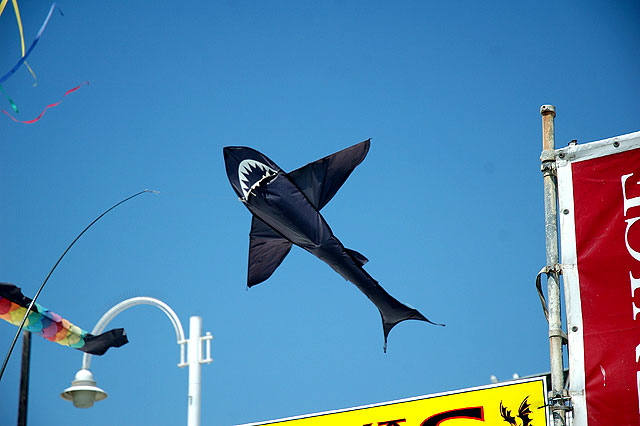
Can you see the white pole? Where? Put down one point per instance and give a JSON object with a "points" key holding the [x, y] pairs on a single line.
{"points": [[194, 347]]}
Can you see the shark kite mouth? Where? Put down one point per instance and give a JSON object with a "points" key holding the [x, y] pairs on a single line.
{"points": [[252, 174]]}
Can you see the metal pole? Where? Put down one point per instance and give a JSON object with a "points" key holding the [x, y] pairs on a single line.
{"points": [[556, 334], [194, 349], [23, 399]]}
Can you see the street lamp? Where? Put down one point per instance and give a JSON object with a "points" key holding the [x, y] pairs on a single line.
{"points": [[83, 391]]}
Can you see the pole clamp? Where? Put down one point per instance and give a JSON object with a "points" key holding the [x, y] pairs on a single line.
{"points": [[559, 333], [548, 168], [548, 155], [548, 162], [560, 401]]}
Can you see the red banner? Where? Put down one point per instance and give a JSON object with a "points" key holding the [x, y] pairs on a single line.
{"points": [[603, 266]]}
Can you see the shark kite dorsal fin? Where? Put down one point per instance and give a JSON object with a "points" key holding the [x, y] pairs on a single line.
{"points": [[320, 180], [267, 250]]}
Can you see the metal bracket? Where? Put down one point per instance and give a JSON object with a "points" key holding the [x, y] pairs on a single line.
{"points": [[207, 350], [183, 353], [207, 340]]}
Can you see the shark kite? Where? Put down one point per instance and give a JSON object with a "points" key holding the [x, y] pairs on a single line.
{"points": [[286, 210]]}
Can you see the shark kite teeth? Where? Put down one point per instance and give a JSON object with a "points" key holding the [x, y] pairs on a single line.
{"points": [[247, 173]]}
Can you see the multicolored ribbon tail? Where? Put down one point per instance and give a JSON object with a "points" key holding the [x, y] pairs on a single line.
{"points": [[68, 92], [33, 45]]}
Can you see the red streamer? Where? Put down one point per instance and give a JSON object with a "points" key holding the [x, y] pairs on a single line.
{"points": [[68, 92]]}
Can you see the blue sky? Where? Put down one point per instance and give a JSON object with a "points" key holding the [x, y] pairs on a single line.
{"points": [[447, 205]]}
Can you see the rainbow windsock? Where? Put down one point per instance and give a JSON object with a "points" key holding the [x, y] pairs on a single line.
{"points": [[51, 326]]}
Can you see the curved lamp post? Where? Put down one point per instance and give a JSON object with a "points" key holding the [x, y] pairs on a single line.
{"points": [[83, 390]]}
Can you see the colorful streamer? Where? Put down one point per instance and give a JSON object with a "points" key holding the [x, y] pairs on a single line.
{"points": [[16, 10], [51, 326], [47, 107], [19, 21], [33, 44]]}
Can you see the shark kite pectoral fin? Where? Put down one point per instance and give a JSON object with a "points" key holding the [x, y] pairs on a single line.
{"points": [[267, 250]]}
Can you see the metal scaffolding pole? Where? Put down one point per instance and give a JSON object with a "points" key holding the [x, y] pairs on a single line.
{"points": [[556, 335]]}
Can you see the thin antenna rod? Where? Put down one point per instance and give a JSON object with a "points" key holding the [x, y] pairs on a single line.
{"points": [[33, 301]]}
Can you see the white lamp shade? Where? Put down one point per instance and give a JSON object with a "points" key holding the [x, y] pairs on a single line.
{"points": [[83, 391]]}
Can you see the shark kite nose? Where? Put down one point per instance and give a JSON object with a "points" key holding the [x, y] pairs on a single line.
{"points": [[227, 152]]}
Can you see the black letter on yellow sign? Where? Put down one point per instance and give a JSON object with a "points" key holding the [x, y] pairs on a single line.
{"points": [[476, 413]]}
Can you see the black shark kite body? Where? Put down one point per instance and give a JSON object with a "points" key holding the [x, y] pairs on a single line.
{"points": [[286, 210]]}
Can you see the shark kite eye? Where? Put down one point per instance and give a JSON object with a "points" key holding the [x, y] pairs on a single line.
{"points": [[251, 174]]}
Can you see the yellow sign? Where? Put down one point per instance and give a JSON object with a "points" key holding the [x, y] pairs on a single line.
{"points": [[518, 403]]}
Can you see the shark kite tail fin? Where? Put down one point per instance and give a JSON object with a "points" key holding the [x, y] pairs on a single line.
{"points": [[407, 314]]}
